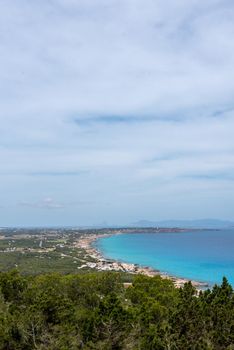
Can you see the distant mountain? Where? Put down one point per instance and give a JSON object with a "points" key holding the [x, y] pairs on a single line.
{"points": [[202, 223]]}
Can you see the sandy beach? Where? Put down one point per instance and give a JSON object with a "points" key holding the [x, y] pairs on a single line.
{"points": [[100, 263]]}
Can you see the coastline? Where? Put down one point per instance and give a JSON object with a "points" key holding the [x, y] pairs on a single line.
{"points": [[100, 263]]}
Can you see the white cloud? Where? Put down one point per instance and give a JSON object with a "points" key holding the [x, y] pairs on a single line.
{"points": [[168, 63], [46, 203]]}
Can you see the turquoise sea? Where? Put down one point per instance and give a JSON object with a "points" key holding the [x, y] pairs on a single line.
{"points": [[200, 255]]}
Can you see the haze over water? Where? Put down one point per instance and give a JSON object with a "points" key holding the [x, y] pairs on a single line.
{"points": [[200, 255]]}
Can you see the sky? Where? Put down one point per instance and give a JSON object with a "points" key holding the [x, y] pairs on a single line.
{"points": [[113, 111]]}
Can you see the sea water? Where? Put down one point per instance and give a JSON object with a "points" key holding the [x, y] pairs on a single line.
{"points": [[199, 255]]}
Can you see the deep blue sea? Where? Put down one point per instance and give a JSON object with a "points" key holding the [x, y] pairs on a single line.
{"points": [[200, 255]]}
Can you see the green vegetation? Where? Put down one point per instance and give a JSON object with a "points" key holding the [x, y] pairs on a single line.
{"points": [[95, 311], [37, 253]]}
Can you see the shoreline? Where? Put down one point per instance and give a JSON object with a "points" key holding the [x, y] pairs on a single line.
{"points": [[105, 264]]}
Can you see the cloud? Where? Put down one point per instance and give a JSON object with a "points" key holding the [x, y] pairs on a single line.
{"points": [[116, 57], [119, 102], [46, 203], [106, 119], [58, 173]]}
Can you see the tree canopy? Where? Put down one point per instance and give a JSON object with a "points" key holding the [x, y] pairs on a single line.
{"points": [[96, 311]]}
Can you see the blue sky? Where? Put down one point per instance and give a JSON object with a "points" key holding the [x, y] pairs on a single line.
{"points": [[116, 110]]}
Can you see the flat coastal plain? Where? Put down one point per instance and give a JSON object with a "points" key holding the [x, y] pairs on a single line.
{"points": [[71, 250]]}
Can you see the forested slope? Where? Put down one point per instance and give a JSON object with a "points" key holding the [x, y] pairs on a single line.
{"points": [[95, 311]]}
